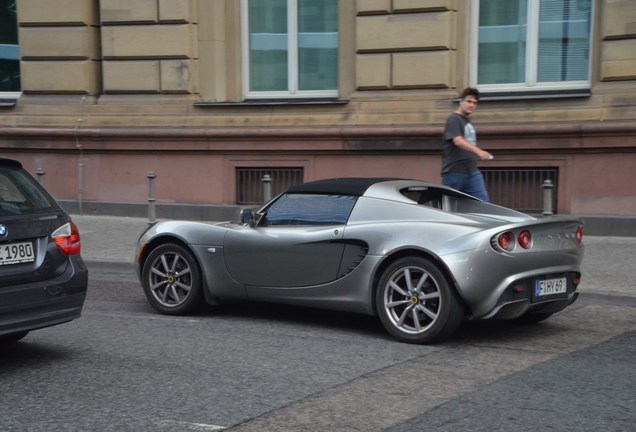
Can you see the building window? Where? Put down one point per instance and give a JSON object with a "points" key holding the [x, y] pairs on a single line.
{"points": [[9, 50], [250, 183], [290, 48], [523, 45]]}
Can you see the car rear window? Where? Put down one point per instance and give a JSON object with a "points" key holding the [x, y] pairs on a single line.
{"points": [[21, 195]]}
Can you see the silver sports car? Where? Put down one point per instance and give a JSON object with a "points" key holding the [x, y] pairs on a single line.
{"points": [[420, 256]]}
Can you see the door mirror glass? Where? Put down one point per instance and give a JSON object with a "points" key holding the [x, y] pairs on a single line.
{"points": [[247, 217]]}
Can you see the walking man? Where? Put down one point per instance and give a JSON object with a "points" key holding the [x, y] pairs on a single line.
{"points": [[459, 160]]}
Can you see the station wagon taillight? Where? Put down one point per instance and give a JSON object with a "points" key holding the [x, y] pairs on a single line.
{"points": [[67, 239], [579, 235]]}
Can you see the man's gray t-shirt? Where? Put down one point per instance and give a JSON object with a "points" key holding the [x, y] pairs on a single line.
{"points": [[456, 159]]}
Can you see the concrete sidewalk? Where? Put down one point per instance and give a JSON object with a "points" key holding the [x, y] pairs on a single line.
{"points": [[608, 266]]}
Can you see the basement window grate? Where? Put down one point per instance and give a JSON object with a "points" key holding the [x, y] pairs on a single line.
{"points": [[520, 188], [250, 185]]}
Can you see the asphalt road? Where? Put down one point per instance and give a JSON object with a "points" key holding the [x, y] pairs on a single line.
{"points": [[257, 367]]}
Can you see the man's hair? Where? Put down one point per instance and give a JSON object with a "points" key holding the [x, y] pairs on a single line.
{"points": [[469, 91]]}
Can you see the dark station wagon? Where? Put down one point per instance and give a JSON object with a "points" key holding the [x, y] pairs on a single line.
{"points": [[43, 278]]}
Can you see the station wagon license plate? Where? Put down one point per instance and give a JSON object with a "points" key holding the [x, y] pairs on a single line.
{"points": [[549, 287], [16, 253]]}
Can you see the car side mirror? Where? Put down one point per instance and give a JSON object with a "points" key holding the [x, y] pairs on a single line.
{"points": [[247, 217]]}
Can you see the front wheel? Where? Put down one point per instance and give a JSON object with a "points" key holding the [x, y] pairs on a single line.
{"points": [[415, 302], [172, 280]]}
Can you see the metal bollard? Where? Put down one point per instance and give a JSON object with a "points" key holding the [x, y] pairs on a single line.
{"points": [[151, 196], [547, 198], [267, 188], [40, 172]]}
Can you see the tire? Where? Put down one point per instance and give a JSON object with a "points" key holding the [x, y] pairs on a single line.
{"points": [[12, 338], [416, 303], [171, 279]]}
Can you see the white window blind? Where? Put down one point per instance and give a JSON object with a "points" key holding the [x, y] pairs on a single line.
{"points": [[531, 44], [290, 48]]}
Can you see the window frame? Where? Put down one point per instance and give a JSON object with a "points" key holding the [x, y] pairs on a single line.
{"points": [[9, 95], [292, 66], [531, 83]]}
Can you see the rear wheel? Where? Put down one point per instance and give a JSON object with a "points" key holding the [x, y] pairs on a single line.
{"points": [[415, 302], [12, 338], [172, 280]]}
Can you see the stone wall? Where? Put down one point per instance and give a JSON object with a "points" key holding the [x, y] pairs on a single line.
{"points": [[128, 86]]}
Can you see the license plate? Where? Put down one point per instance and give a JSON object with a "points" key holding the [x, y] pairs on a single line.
{"points": [[550, 287], [16, 253]]}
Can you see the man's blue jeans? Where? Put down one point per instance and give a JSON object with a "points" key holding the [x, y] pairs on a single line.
{"points": [[472, 184]]}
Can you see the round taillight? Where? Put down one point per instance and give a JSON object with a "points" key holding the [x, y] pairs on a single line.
{"points": [[525, 239], [579, 235], [506, 241]]}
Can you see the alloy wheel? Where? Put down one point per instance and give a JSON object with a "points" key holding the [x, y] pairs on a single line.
{"points": [[172, 280], [412, 300]]}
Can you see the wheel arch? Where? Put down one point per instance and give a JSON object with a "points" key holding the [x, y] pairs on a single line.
{"points": [[158, 241], [408, 252]]}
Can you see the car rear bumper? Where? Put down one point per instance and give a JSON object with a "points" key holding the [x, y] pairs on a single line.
{"points": [[520, 297], [45, 303], [515, 309]]}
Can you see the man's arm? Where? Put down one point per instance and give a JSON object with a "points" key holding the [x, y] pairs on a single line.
{"points": [[461, 142]]}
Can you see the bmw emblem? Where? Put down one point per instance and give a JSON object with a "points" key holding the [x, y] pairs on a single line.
{"points": [[3, 230]]}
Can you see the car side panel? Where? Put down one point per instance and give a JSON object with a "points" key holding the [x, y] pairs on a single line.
{"points": [[352, 293], [217, 282], [206, 242], [284, 256]]}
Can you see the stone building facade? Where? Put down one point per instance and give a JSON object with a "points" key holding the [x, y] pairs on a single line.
{"points": [[111, 90]]}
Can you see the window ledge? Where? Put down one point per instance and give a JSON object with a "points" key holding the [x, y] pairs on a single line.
{"points": [[527, 95], [8, 103], [274, 102]]}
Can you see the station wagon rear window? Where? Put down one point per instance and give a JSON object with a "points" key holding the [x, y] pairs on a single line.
{"points": [[20, 195]]}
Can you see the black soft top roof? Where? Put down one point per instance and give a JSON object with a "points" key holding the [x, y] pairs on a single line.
{"points": [[356, 186]]}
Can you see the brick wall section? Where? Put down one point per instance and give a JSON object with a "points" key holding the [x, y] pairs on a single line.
{"points": [[415, 52], [618, 33], [405, 44], [59, 43], [149, 46]]}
